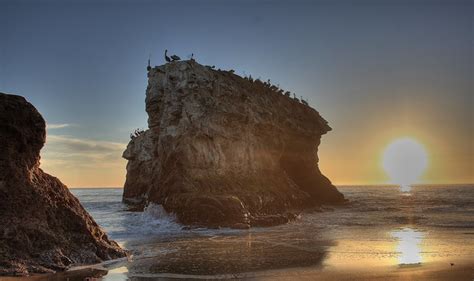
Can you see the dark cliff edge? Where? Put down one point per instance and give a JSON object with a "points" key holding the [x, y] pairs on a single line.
{"points": [[222, 150], [43, 227]]}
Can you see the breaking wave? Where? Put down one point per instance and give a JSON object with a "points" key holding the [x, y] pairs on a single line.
{"points": [[155, 219]]}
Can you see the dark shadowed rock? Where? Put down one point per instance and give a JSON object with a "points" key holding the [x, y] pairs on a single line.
{"points": [[43, 227], [222, 150]]}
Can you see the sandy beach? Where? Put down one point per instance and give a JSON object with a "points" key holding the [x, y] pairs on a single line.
{"points": [[462, 270], [442, 271]]}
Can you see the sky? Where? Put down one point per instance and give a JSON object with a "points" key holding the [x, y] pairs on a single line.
{"points": [[376, 70]]}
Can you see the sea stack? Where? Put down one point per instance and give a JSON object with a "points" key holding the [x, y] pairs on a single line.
{"points": [[43, 227], [225, 151]]}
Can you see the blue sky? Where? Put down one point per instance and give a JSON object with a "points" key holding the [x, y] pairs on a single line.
{"points": [[375, 70]]}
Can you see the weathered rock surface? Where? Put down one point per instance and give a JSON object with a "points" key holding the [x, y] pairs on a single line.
{"points": [[222, 150], [43, 227]]}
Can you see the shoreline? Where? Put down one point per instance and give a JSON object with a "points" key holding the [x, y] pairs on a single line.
{"points": [[463, 269]]}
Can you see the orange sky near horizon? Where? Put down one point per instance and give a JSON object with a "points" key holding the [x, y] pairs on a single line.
{"points": [[357, 163]]}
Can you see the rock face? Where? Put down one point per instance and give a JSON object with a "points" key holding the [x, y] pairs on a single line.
{"points": [[43, 227], [222, 150]]}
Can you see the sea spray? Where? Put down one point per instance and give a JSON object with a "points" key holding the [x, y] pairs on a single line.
{"points": [[155, 219]]}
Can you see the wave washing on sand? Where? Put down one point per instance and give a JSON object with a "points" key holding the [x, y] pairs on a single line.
{"points": [[381, 231]]}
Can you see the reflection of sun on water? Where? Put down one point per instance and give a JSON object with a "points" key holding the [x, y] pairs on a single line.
{"points": [[408, 246], [405, 188], [404, 160]]}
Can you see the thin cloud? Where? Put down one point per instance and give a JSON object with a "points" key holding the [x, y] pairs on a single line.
{"points": [[74, 145], [57, 126], [84, 162], [63, 151]]}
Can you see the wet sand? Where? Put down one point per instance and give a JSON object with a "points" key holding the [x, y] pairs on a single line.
{"points": [[442, 271]]}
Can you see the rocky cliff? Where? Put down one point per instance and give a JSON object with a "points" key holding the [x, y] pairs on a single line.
{"points": [[222, 150], [43, 227]]}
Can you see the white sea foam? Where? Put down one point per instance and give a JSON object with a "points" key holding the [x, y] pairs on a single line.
{"points": [[155, 219]]}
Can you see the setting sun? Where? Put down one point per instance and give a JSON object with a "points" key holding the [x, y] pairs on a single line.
{"points": [[404, 160]]}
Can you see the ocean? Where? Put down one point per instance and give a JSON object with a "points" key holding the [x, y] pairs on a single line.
{"points": [[381, 226]]}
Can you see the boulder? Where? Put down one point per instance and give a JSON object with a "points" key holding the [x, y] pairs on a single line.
{"points": [[43, 227]]}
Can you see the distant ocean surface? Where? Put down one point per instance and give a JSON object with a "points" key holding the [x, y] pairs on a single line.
{"points": [[380, 226]]}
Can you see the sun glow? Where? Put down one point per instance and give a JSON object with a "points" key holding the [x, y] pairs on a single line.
{"points": [[405, 160]]}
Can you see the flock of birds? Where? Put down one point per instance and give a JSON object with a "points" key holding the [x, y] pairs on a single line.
{"points": [[267, 84], [276, 89]]}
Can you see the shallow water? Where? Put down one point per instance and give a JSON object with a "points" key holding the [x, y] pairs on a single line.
{"points": [[381, 226]]}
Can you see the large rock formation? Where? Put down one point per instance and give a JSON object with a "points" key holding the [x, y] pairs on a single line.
{"points": [[222, 150], [43, 227]]}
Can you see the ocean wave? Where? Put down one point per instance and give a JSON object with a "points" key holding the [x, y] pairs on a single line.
{"points": [[155, 219]]}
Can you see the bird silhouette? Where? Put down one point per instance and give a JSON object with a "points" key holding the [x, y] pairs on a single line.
{"points": [[175, 57], [149, 66], [166, 57]]}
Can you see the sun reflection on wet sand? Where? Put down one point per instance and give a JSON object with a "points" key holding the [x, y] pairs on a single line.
{"points": [[408, 246]]}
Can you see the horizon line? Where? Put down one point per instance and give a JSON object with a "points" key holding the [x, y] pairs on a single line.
{"points": [[337, 185]]}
